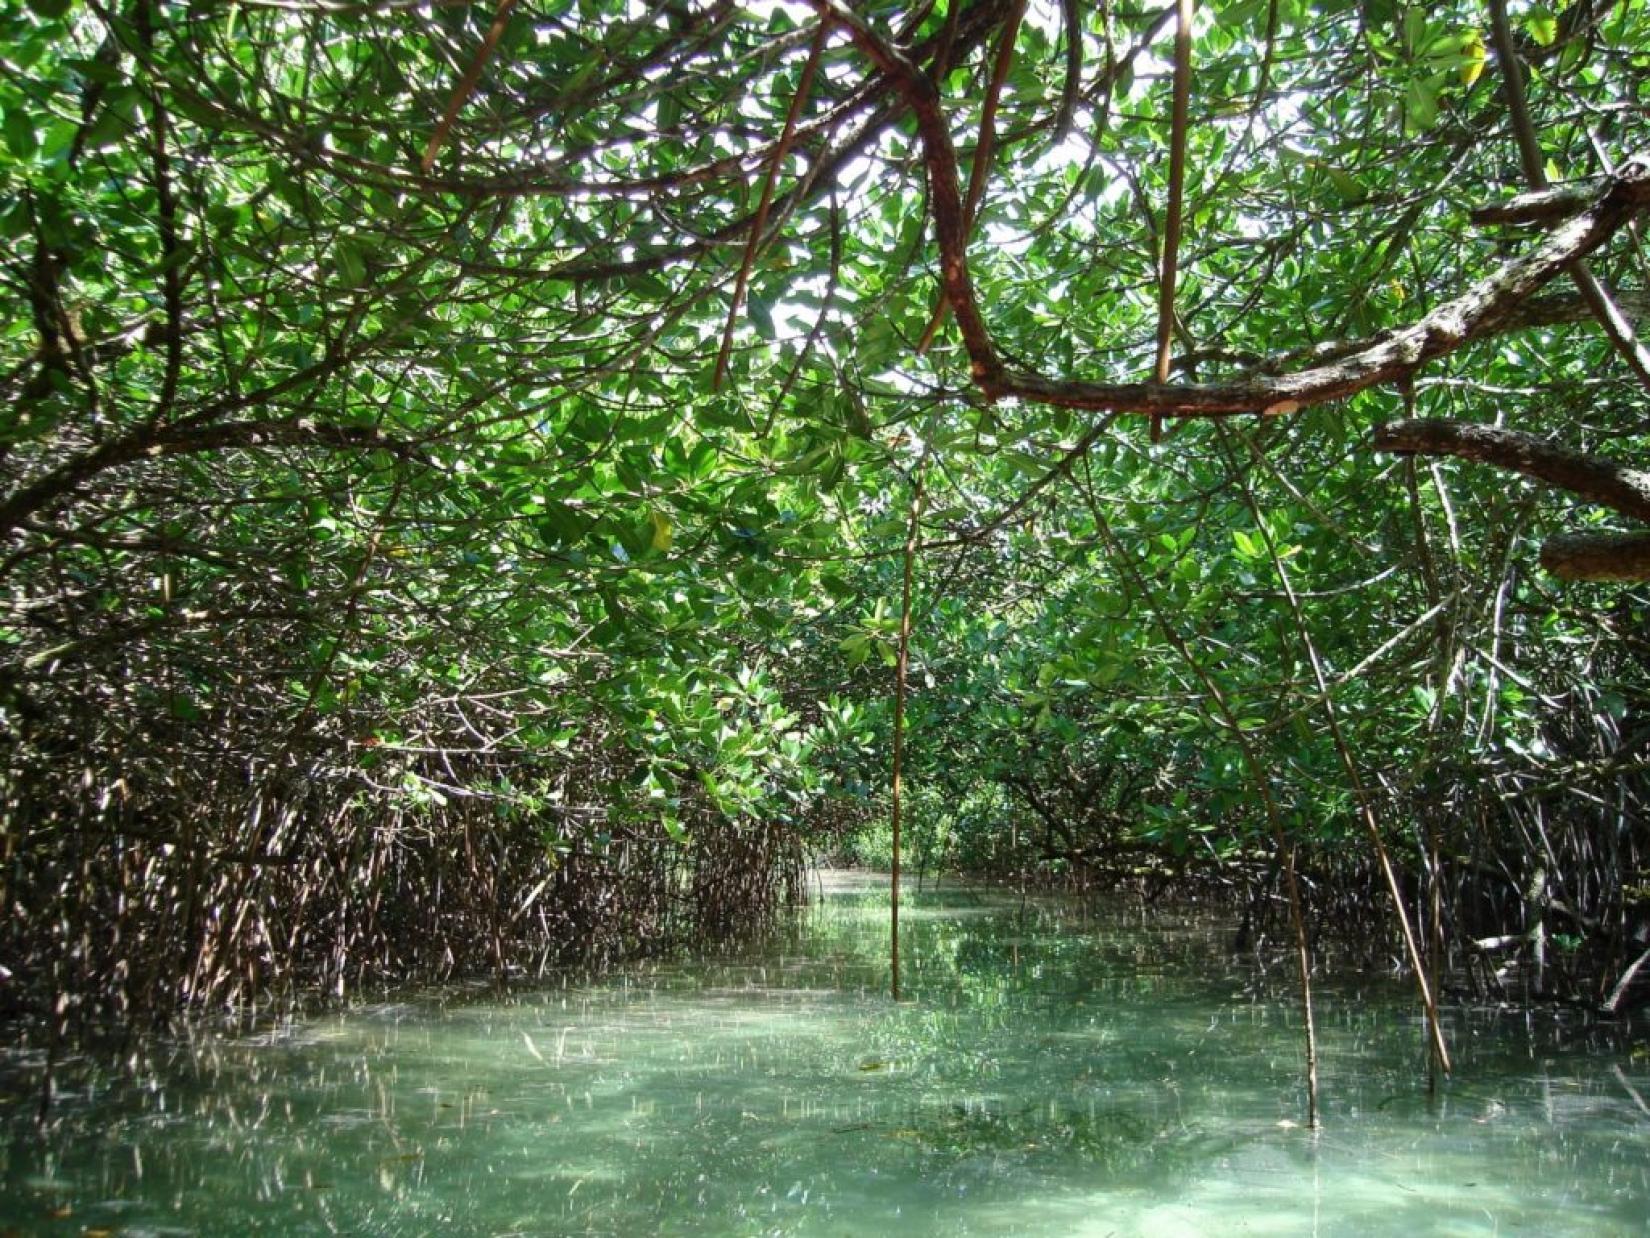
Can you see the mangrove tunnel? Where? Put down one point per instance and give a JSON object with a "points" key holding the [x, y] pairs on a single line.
{"points": [[495, 495]]}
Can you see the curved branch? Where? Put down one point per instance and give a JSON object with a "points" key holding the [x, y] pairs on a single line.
{"points": [[1382, 358], [1598, 556], [1569, 556], [1593, 478], [156, 442]]}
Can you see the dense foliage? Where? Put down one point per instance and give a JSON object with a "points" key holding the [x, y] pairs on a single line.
{"points": [[456, 461]]}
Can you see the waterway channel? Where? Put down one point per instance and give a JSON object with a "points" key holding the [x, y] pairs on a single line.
{"points": [[1058, 1068]]}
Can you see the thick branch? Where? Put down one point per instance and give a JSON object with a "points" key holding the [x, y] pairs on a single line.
{"points": [[1543, 206], [945, 193], [1598, 556], [1598, 298], [1562, 309], [155, 442], [1593, 478], [1383, 358]]}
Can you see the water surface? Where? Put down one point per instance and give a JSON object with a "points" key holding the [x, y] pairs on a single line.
{"points": [[1056, 1070]]}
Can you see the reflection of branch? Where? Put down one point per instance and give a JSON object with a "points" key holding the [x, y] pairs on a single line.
{"points": [[1381, 358], [1592, 478]]}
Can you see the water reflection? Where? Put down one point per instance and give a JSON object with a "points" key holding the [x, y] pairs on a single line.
{"points": [[1057, 1070]]}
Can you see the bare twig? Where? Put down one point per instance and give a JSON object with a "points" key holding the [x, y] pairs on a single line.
{"points": [[804, 88], [467, 85], [1177, 185]]}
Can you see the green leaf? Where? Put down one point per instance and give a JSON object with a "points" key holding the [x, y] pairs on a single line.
{"points": [[761, 312], [1420, 105], [19, 133], [1350, 188]]}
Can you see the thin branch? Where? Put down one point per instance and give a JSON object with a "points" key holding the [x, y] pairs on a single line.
{"points": [[1074, 68], [166, 220], [1177, 185], [466, 87], [1613, 1003], [902, 666], [804, 88], [1355, 782], [1220, 709]]}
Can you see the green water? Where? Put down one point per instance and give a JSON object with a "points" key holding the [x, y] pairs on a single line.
{"points": [[1055, 1071]]}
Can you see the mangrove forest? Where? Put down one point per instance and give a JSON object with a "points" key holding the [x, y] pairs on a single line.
{"points": [[933, 513]]}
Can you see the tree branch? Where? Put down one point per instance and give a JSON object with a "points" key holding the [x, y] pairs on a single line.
{"points": [[1569, 556], [759, 224], [1598, 298], [1177, 186], [1598, 556], [1593, 478], [1385, 357], [467, 85], [1381, 358], [151, 443]]}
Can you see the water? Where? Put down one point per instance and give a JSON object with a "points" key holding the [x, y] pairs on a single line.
{"points": [[1056, 1071]]}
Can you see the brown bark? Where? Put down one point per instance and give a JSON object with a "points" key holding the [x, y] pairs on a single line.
{"points": [[1593, 478], [1544, 205], [1382, 358], [1598, 556]]}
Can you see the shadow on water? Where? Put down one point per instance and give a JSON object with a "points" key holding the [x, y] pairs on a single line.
{"points": [[1057, 1069]]}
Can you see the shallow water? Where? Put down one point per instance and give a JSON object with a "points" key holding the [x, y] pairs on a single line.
{"points": [[1054, 1071]]}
